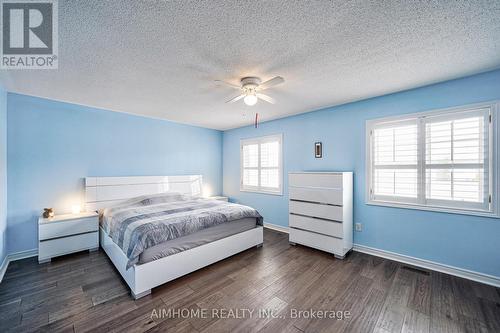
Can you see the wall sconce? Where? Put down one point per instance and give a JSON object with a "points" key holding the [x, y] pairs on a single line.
{"points": [[318, 150]]}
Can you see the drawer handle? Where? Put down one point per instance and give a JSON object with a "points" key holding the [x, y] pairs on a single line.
{"points": [[316, 218], [316, 202]]}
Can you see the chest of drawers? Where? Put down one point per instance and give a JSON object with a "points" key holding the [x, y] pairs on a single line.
{"points": [[320, 210]]}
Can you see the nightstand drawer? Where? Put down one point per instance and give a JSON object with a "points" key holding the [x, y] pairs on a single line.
{"points": [[324, 227], [57, 229], [60, 246]]}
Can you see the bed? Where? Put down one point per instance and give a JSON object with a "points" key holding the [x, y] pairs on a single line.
{"points": [[158, 228]]}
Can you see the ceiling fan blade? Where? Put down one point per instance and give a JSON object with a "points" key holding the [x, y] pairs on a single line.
{"points": [[237, 98], [272, 82], [266, 98], [227, 84]]}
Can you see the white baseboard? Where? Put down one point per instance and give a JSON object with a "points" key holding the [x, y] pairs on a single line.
{"points": [[16, 256], [427, 264], [3, 267], [23, 254], [276, 227]]}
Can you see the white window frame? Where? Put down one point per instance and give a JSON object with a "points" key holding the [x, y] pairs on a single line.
{"points": [[435, 205], [259, 141]]}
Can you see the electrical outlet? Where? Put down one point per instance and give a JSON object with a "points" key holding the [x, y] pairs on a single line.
{"points": [[358, 226]]}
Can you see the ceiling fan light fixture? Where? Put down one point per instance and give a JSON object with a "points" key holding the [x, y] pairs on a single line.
{"points": [[251, 88], [250, 99]]}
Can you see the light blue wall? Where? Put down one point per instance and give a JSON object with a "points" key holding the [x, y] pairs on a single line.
{"points": [[462, 241], [3, 174], [53, 145]]}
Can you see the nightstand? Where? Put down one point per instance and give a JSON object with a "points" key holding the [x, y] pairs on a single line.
{"points": [[220, 198], [63, 234]]}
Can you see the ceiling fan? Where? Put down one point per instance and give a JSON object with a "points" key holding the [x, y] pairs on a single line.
{"points": [[251, 88]]}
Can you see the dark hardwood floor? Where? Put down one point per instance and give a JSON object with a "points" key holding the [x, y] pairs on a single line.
{"points": [[83, 292]]}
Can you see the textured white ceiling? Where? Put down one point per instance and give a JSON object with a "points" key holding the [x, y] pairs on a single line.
{"points": [[159, 58]]}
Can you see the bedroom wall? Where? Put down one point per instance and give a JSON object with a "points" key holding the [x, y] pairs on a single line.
{"points": [[3, 175], [52, 146], [463, 241]]}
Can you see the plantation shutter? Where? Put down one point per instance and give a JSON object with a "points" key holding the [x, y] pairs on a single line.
{"points": [[261, 164], [251, 165], [395, 161], [437, 159], [457, 158]]}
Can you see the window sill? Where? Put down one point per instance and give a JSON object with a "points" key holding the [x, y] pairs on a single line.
{"points": [[279, 193], [433, 208]]}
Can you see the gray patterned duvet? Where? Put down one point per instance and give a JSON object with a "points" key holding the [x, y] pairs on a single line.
{"points": [[144, 222]]}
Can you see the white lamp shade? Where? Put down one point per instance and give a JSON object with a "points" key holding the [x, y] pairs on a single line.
{"points": [[250, 100]]}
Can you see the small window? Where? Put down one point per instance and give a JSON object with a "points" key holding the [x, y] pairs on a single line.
{"points": [[440, 160], [261, 164]]}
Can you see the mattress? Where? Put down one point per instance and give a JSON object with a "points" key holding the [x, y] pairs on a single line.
{"points": [[196, 239]]}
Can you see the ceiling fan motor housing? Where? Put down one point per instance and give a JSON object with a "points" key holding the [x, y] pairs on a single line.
{"points": [[250, 83]]}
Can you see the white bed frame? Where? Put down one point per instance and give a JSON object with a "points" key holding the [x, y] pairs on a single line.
{"points": [[103, 191]]}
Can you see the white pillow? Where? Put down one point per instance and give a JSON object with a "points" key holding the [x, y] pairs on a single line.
{"points": [[155, 199]]}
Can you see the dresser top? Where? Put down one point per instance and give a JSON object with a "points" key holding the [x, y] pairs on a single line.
{"points": [[321, 172], [67, 217]]}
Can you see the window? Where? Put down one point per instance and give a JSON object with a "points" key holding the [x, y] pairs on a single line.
{"points": [[440, 160], [261, 164]]}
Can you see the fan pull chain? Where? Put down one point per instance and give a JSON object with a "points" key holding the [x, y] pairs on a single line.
{"points": [[256, 120]]}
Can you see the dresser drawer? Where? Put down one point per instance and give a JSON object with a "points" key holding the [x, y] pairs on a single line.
{"points": [[324, 195], [57, 229], [316, 210], [60, 246], [317, 241], [315, 180], [329, 228]]}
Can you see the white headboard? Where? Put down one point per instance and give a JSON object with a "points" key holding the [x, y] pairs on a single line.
{"points": [[103, 191]]}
